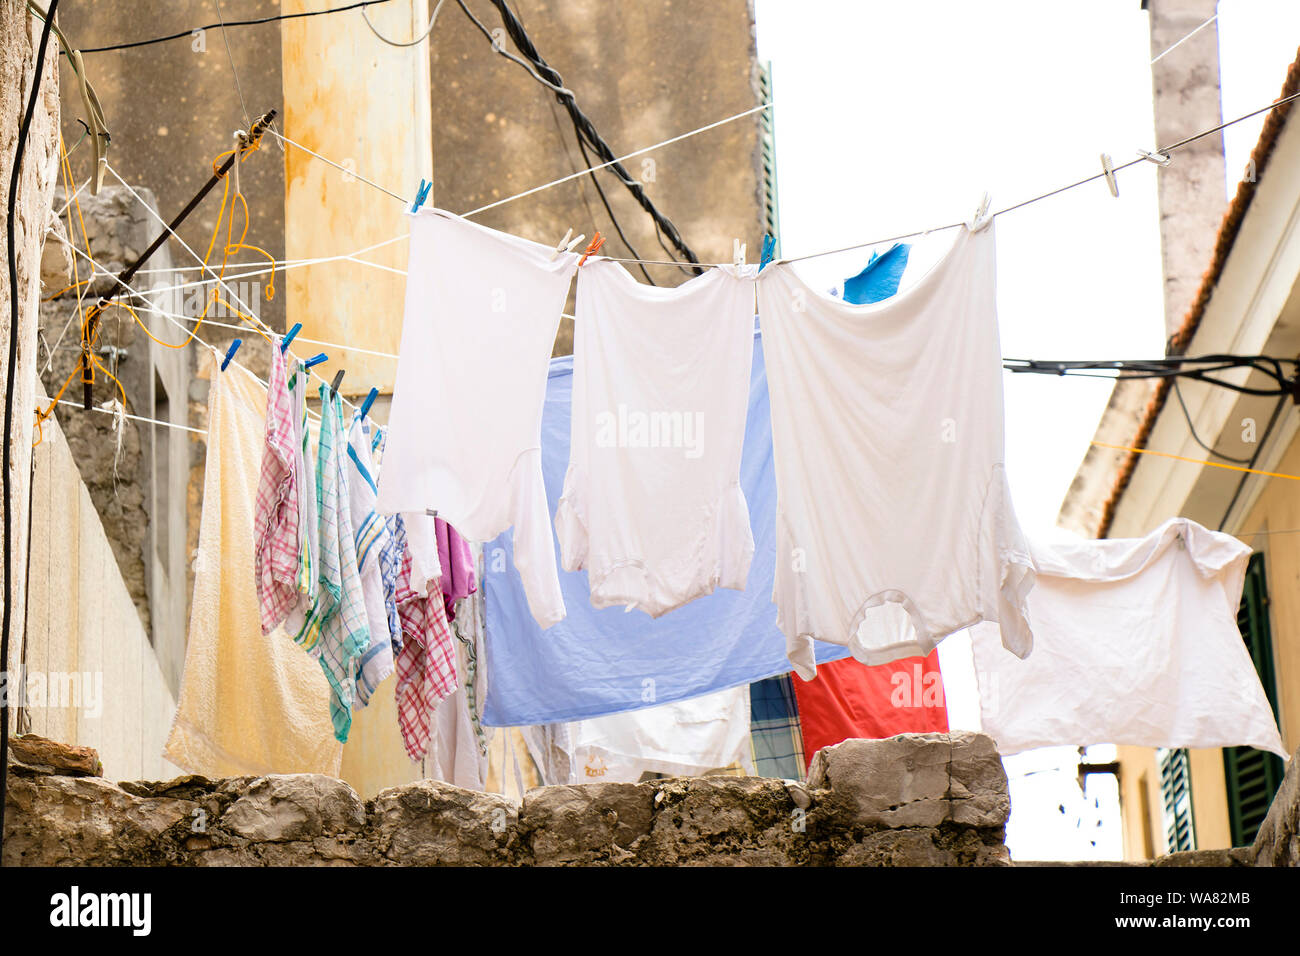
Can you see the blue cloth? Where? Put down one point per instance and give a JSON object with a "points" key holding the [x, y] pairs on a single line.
{"points": [[598, 662], [880, 279]]}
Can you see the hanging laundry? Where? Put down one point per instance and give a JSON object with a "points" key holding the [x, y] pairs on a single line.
{"points": [[605, 661], [371, 535], [1135, 642], [276, 520], [848, 699], [652, 505], [308, 516], [457, 561], [426, 665], [775, 731], [336, 632], [248, 704], [457, 751], [682, 739], [888, 434], [482, 310], [390, 555]]}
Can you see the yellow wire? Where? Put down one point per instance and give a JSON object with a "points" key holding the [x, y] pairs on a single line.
{"points": [[1196, 461]]}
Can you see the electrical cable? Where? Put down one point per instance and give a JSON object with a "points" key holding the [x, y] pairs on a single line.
{"points": [[186, 34], [420, 39], [1178, 393], [15, 174], [582, 124]]}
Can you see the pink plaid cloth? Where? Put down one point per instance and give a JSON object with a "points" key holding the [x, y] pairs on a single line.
{"points": [[275, 522], [426, 664]]}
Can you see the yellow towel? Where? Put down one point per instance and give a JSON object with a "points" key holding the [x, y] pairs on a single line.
{"points": [[249, 704]]}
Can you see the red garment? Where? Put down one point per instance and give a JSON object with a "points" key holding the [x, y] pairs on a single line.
{"points": [[849, 699]]}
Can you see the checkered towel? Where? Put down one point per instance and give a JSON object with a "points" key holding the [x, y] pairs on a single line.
{"points": [[276, 532], [426, 666], [775, 731]]}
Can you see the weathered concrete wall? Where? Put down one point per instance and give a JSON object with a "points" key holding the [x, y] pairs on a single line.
{"points": [[91, 674], [932, 799], [643, 72], [36, 183]]}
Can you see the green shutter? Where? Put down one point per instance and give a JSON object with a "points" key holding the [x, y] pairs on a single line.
{"points": [[1176, 797], [1253, 776], [771, 215]]}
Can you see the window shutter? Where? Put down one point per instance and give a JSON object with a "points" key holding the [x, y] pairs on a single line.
{"points": [[1253, 776], [1176, 797]]}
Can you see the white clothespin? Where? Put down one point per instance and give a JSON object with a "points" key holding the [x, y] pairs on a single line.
{"points": [[982, 217], [241, 140], [738, 252], [1160, 159], [566, 245], [1108, 168]]}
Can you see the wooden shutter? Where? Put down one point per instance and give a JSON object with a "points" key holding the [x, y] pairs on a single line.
{"points": [[771, 216], [1176, 797], [1253, 776]]}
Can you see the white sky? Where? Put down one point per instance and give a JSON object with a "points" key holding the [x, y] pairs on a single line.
{"points": [[893, 117]]}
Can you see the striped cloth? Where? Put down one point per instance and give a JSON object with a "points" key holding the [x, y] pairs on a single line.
{"points": [[371, 536], [426, 666], [335, 631], [775, 733], [390, 556], [276, 517]]}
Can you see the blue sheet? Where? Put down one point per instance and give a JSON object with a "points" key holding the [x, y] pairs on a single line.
{"points": [[598, 662]]}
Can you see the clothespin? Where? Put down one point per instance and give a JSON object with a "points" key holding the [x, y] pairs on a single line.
{"points": [[316, 360], [1108, 168], [370, 400], [982, 217], [421, 194], [241, 143], [334, 385], [289, 336], [769, 250], [230, 353], [596, 242], [566, 245], [1160, 159], [737, 252]]}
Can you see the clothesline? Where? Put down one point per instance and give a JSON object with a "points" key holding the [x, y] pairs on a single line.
{"points": [[1164, 151]]}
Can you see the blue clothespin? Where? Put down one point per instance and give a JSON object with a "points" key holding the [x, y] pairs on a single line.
{"points": [[370, 400], [289, 336], [230, 353], [769, 249], [316, 360], [421, 194]]}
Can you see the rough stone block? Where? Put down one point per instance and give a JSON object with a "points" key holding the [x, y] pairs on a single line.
{"points": [[31, 753], [300, 806], [583, 823], [435, 824]]}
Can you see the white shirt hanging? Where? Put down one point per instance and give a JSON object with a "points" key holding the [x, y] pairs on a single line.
{"points": [[652, 505], [1135, 642], [894, 523], [482, 309]]}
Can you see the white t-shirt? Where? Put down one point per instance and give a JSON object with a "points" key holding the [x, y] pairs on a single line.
{"points": [[482, 309], [1135, 642], [894, 523], [652, 505]]}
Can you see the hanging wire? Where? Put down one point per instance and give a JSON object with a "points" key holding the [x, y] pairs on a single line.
{"points": [[365, 15]]}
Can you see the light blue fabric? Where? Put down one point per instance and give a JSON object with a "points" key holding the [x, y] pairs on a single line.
{"points": [[608, 661]]}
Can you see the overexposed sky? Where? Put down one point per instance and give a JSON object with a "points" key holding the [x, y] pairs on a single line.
{"points": [[895, 117]]}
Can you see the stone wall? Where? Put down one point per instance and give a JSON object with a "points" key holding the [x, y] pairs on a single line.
{"points": [[933, 799]]}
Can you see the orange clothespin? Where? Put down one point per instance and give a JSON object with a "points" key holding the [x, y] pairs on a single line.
{"points": [[596, 242]]}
